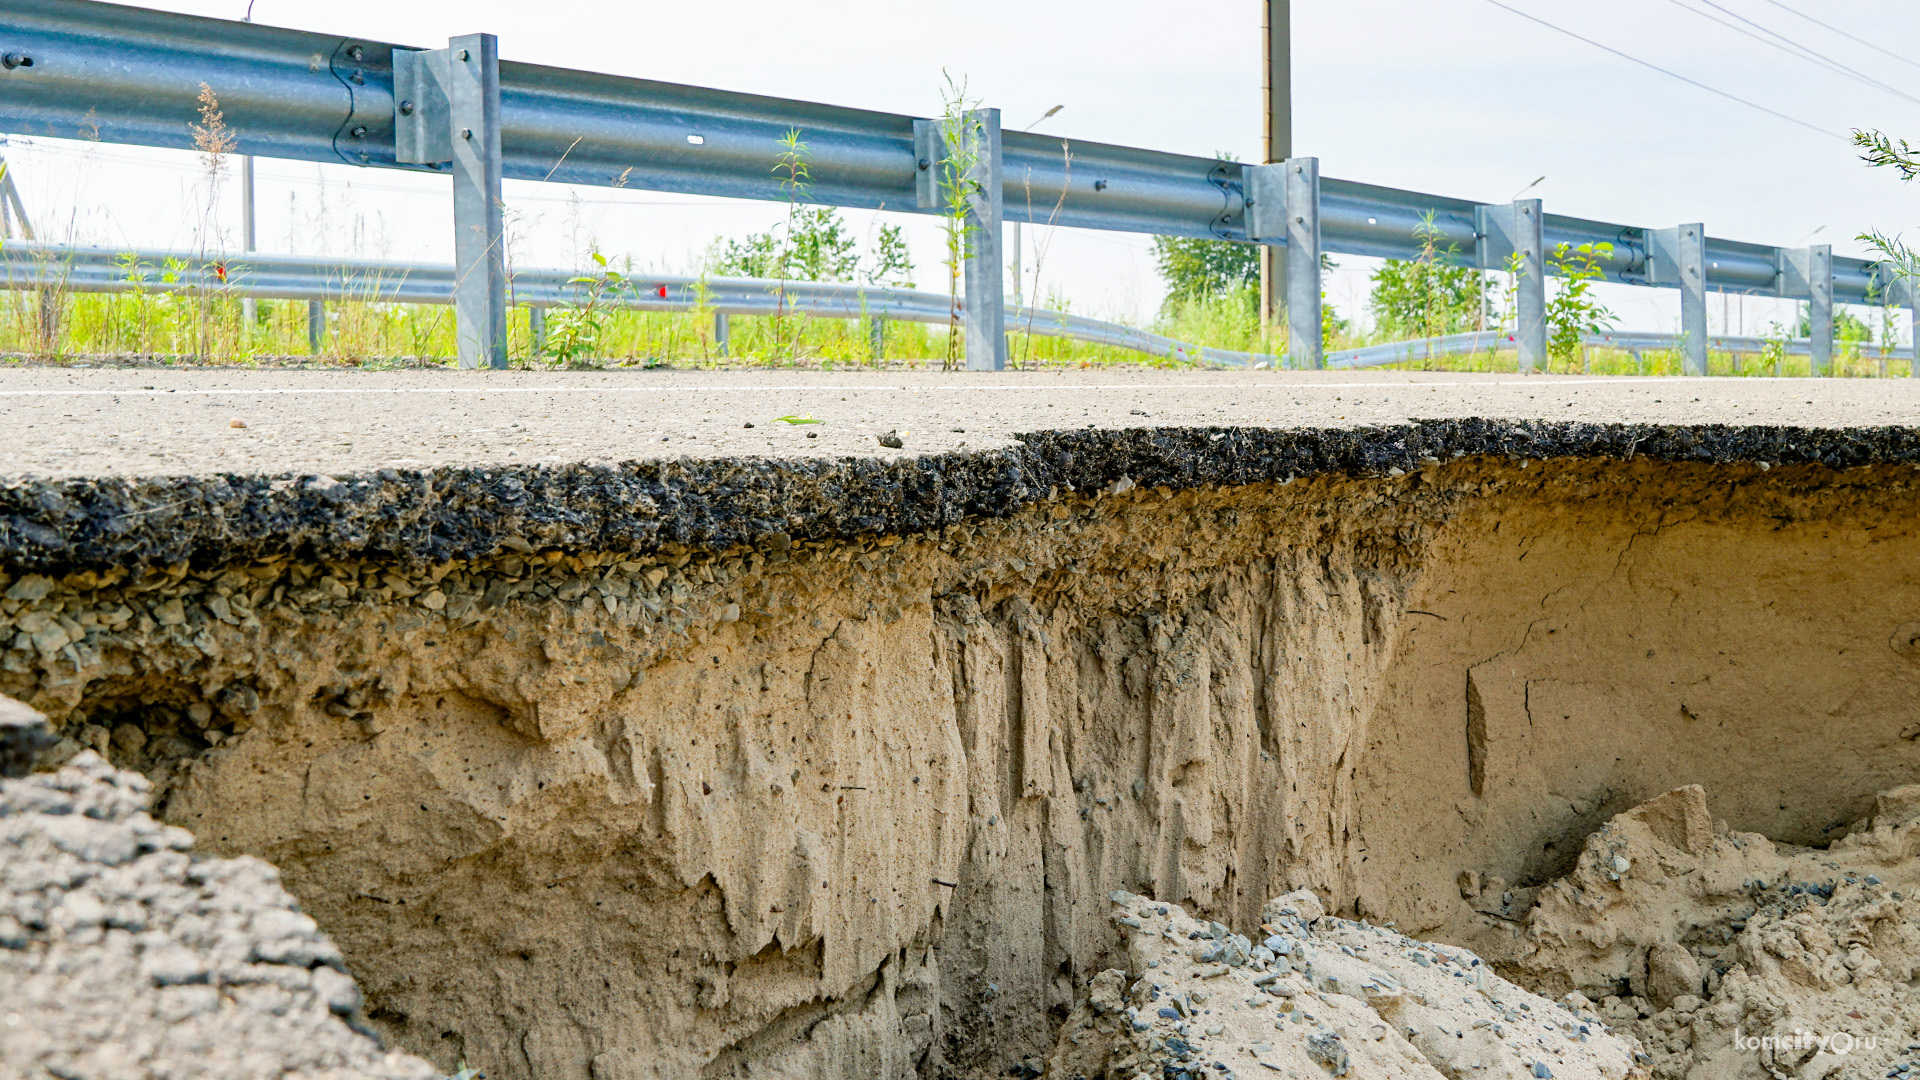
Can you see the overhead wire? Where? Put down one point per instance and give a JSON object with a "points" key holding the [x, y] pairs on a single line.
{"points": [[1793, 48], [1850, 37], [1650, 65]]}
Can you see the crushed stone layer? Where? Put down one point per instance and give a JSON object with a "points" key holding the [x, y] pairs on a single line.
{"points": [[1318, 996], [124, 955], [1724, 953], [146, 468]]}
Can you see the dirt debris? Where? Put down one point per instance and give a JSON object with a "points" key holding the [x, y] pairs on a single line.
{"points": [[1318, 996], [1728, 955], [123, 955]]}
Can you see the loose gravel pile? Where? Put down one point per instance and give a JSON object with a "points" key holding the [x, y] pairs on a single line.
{"points": [[1728, 955], [122, 955], [1319, 996]]}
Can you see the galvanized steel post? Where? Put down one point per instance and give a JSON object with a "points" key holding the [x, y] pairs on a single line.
{"points": [[986, 323], [722, 333], [1305, 344], [1820, 307], [1913, 325], [50, 320], [1808, 274], [537, 329], [480, 266], [1678, 257], [877, 336], [316, 326], [1530, 295]]}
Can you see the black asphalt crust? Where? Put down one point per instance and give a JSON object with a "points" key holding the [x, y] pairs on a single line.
{"points": [[413, 516]]}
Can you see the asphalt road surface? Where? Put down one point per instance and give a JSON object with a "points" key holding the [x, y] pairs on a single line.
{"points": [[66, 422]]}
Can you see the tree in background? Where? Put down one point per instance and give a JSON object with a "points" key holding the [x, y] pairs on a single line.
{"points": [[889, 263], [1198, 270], [1411, 299], [1428, 296], [814, 245]]}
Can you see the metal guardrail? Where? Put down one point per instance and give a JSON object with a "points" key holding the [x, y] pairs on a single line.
{"points": [[1489, 341], [320, 279], [83, 69]]}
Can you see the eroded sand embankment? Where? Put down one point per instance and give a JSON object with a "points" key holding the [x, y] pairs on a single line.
{"points": [[854, 807]]}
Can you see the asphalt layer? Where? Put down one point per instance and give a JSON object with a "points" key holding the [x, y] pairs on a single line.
{"points": [[148, 466]]}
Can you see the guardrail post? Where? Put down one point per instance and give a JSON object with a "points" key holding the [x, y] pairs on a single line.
{"points": [[537, 329], [1692, 251], [316, 326], [986, 320], [722, 333], [1913, 325], [877, 336], [1807, 273], [1820, 308], [1678, 257], [480, 266], [1530, 296], [1305, 341], [50, 320]]}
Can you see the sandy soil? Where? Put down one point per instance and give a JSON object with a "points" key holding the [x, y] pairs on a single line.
{"points": [[852, 808], [1728, 955]]}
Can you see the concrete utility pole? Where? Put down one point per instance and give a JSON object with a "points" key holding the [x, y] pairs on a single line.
{"points": [[1277, 104]]}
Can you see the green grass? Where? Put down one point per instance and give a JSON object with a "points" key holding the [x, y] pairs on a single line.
{"points": [[182, 326]]}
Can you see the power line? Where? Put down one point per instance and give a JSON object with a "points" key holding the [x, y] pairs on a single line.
{"points": [[1843, 33], [1670, 73], [1793, 48]]}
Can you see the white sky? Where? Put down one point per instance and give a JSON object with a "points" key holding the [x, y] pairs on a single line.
{"points": [[1456, 97]]}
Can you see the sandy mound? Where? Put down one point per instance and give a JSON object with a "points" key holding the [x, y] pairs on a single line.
{"points": [[1728, 955], [121, 955], [1318, 996]]}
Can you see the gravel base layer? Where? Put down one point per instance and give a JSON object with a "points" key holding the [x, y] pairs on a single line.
{"points": [[122, 955]]}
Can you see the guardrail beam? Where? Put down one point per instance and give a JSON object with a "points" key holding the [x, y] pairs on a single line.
{"points": [[1306, 341]]}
